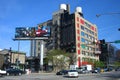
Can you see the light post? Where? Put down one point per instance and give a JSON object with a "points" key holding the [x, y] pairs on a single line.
{"points": [[112, 13], [117, 41]]}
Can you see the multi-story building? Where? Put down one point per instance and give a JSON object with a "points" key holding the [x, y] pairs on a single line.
{"points": [[1, 60], [73, 33], [77, 36], [107, 54], [12, 58]]}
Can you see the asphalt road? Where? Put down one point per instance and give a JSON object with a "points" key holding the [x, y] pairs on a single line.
{"points": [[52, 76]]}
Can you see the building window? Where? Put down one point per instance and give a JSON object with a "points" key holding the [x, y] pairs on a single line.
{"points": [[82, 33], [83, 52], [86, 41], [86, 35], [88, 25], [38, 43], [87, 48], [38, 48], [87, 54], [82, 27], [83, 46], [82, 39]]}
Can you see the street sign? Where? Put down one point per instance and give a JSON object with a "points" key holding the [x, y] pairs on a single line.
{"points": [[117, 41]]}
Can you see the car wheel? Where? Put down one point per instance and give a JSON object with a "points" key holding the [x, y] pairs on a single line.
{"points": [[8, 74], [76, 76]]}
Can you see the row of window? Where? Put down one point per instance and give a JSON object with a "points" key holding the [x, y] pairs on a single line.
{"points": [[88, 31], [87, 36], [90, 54], [85, 41], [88, 59], [86, 24]]}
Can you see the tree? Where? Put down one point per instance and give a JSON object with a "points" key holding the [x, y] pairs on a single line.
{"points": [[99, 64], [72, 58], [58, 58], [117, 64]]}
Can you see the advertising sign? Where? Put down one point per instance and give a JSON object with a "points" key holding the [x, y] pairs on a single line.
{"points": [[32, 32]]}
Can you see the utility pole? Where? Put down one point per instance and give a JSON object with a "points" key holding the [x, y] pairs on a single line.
{"points": [[10, 54]]}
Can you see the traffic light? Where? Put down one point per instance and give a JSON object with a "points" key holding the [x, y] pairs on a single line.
{"points": [[102, 41], [103, 45]]}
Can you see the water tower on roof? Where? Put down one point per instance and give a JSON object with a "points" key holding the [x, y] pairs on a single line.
{"points": [[65, 7], [79, 10]]}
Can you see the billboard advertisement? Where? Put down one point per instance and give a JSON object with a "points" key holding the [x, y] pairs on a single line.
{"points": [[32, 32]]}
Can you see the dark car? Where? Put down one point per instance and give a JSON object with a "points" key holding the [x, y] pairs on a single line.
{"points": [[14, 72], [62, 72], [117, 69], [94, 71]]}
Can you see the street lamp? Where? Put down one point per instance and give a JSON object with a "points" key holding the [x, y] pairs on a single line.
{"points": [[112, 13]]}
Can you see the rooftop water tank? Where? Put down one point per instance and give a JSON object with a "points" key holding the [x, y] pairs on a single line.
{"points": [[63, 6], [79, 9]]}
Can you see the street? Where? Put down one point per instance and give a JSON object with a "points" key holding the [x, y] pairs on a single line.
{"points": [[52, 76]]}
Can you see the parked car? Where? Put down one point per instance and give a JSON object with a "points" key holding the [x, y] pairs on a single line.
{"points": [[2, 72], [15, 71], [108, 69], [62, 72], [117, 69], [82, 70], [72, 73], [94, 71]]}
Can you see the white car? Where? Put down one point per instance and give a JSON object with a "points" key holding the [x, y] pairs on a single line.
{"points": [[72, 73], [2, 72]]}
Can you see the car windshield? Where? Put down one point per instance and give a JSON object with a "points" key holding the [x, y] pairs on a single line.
{"points": [[72, 71]]}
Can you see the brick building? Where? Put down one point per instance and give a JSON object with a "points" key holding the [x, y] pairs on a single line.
{"points": [[73, 33]]}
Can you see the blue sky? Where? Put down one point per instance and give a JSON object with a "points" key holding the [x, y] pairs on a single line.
{"points": [[29, 13]]}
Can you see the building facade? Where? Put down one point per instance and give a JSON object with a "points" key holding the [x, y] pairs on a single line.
{"points": [[12, 59], [86, 34], [108, 54], [72, 33]]}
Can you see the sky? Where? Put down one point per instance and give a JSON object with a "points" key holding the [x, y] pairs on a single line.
{"points": [[29, 13]]}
